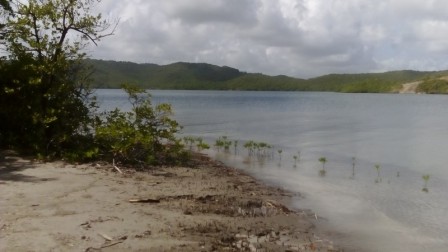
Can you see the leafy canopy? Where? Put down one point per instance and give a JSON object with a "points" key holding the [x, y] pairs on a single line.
{"points": [[44, 94]]}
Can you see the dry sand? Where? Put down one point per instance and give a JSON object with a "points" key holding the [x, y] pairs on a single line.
{"points": [[409, 88], [208, 207]]}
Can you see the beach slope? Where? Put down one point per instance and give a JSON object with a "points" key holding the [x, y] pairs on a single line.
{"points": [[207, 207]]}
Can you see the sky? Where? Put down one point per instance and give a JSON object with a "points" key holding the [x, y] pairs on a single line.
{"points": [[300, 38]]}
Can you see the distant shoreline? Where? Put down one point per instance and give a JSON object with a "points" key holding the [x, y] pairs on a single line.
{"points": [[203, 76]]}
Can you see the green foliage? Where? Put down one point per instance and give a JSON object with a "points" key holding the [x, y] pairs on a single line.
{"points": [[46, 105], [249, 145], [259, 149], [426, 179], [434, 85], [44, 94], [378, 170], [193, 76], [5, 12], [197, 141], [110, 74], [201, 145], [365, 82], [235, 147], [280, 151], [189, 141], [223, 142], [323, 160], [144, 135]]}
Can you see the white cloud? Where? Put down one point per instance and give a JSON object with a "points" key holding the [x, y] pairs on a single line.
{"points": [[301, 38]]}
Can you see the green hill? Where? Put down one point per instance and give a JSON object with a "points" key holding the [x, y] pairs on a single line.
{"points": [[202, 76]]}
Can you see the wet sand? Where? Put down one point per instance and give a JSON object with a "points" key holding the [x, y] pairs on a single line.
{"points": [[92, 207]]}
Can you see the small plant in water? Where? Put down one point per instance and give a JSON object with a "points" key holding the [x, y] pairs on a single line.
{"points": [[295, 161], [201, 145], [188, 140], [280, 154], [378, 170], [323, 160], [279, 157], [223, 142], [426, 179], [353, 166]]}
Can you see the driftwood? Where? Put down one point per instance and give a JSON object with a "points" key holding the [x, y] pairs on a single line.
{"points": [[104, 246], [106, 237], [109, 242], [144, 201], [116, 168]]}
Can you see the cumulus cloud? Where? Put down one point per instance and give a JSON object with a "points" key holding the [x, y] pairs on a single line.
{"points": [[302, 38]]}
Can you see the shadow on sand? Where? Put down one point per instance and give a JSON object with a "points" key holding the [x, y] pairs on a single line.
{"points": [[12, 166]]}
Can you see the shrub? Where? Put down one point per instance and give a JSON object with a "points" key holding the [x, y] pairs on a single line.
{"points": [[144, 135]]}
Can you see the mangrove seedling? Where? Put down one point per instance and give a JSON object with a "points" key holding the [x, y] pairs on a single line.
{"points": [[201, 145], [223, 142], [250, 147], [378, 170], [295, 161], [263, 150], [189, 141], [235, 146], [219, 144], [279, 151], [323, 160], [425, 179], [227, 143]]}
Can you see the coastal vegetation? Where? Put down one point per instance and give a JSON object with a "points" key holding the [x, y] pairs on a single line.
{"points": [[223, 143], [45, 97], [425, 179], [145, 136], [280, 151], [46, 104], [378, 173], [433, 85], [323, 160]]}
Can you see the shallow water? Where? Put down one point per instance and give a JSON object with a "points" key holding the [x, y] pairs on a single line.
{"points": [[405, 134]]}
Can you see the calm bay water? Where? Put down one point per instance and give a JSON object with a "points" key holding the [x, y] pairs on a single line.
{"points": [[407, 135]]}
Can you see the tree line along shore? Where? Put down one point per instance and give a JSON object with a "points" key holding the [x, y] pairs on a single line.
{"points": [[202, 76]]}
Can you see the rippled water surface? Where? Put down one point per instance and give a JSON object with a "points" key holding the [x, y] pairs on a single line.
{"points": [[406, 135]]}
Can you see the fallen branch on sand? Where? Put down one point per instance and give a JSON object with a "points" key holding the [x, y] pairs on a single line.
{"points": [[89, 249], [116, 168], [106, 237], [144, 201], [107, 244]]}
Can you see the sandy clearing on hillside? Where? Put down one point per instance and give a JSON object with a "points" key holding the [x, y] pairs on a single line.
{"points": [[409, 88]]}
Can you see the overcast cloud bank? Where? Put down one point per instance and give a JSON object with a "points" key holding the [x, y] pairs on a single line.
{"points": [[302, 38]]}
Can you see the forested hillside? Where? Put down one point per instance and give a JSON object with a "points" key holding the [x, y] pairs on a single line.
{"points": [[195, 76]]}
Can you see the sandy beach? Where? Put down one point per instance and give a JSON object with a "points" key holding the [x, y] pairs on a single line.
{"points": [[57, 206]]}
